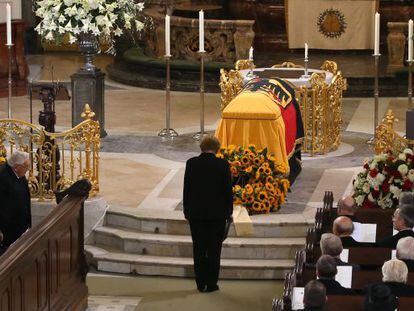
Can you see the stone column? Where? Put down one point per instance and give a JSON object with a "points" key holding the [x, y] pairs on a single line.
{"points": [[243, 39], [88, 87], [396, 44]]}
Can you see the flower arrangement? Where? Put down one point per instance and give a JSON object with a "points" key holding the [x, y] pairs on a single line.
{"points": [[383, 179], [259, 182], [3, 155], [104, 18]]}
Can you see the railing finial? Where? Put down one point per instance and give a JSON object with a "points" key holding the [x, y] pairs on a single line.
{"points": [[87, 113]]}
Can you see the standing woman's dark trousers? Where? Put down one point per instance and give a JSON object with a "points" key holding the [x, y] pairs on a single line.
{"points": [[207, 240]]}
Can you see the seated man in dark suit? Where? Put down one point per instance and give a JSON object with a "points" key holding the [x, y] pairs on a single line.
{"points": [[402, 220], [331, 245], [405, 252], [347, 207], [343, 227], [325, 272], [394, 275], [314, 298], [208, 204]]}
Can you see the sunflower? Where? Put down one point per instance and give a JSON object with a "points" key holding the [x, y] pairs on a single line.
{"points": [[234, 171], [269, 187], [256, 161], [265, 165], [249, 169], [256, 206], [270, 179], [272, 200], [245, 160], [236, 163], [286, 184], [250, 199], [236, 188], [267, 205], [268, 171], [262, 206], [261, 170], [249, 189], [263, 196]]}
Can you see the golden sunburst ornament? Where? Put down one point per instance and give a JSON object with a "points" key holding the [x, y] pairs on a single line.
{"points": [[331, 23]]}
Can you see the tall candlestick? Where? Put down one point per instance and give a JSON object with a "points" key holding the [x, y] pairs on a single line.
{"points": [[8, 22], [410, 40], [377, 34], [306, 50], [167, 36], [201, 30], [251, 54]]}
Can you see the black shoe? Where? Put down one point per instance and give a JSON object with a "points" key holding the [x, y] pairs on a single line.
{"points": [[201, 288], [213, 288]]}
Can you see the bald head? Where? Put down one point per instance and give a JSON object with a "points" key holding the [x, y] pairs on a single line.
{"points": [[343, 226], [347, 206]]}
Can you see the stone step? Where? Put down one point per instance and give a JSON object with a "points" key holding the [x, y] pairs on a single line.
{"points": [[106, 259], [173, 222], [181, 245]]}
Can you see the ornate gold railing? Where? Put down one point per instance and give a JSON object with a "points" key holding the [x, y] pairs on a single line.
{"points": [[387, 139], [57, 159], [321, 104]]}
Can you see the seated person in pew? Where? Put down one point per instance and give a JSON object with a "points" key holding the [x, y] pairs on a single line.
{"points": [[343, 227], [325, 272], [394, 275], [314, 298], [402, 220], [405, 252], [378, 297], [331, 245], [347, 207]]}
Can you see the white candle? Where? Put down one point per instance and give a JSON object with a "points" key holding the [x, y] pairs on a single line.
{"points": [[201, 30], [377, 34], [251, 54], [8, 22], [410, 40], [167, 36], [306, 50]]}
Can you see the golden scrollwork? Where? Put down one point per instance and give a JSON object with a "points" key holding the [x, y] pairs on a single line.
{"points": [[57, 159], [387, 139], [330, 66], [231, 83], [243, 64], [287, 65]]}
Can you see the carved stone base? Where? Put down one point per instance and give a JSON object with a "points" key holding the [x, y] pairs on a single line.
{"points": [[396, 45]]}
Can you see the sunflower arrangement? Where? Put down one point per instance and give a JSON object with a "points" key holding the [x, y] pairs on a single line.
{"points": [[2, 155], [259, 183]]}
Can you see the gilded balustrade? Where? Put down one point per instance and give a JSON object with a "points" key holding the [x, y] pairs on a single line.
{"points": [[320, 104], [57, 159], [387, 139]]}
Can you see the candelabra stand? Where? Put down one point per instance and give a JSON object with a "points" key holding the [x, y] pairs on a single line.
{"points": [[306, 72], [168, 132], [10, 81], [200, 134], [376, 96], [410, 84]]}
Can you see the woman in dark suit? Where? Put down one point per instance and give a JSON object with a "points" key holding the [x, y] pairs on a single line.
{"points": [[208, 204]]}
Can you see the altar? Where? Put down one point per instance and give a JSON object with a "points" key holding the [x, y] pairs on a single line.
{"points": [[251, 118]]}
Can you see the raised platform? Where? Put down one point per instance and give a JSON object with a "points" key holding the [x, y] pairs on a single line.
{"points": [[357, 67]]}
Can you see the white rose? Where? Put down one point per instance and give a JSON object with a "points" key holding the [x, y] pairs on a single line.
{"points": [[408, 151], [93, 4], [359, 200], [380, 178], [410, 175], [68, 2], [373, 165], [366, 188], [403, 169], [402, 156]]}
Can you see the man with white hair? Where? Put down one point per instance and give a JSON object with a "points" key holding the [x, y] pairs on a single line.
{"points": [[394, 275], [15, 213], [405, 252], [331, 245]]}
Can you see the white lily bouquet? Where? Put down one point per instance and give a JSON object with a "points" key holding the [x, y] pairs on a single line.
{"points": [[105, 19]]}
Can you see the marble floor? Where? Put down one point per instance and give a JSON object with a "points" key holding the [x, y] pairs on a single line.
{"points": [[139, 170]]}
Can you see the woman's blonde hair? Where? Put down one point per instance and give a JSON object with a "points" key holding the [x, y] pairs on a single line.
{"points": [[394, 271]]}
